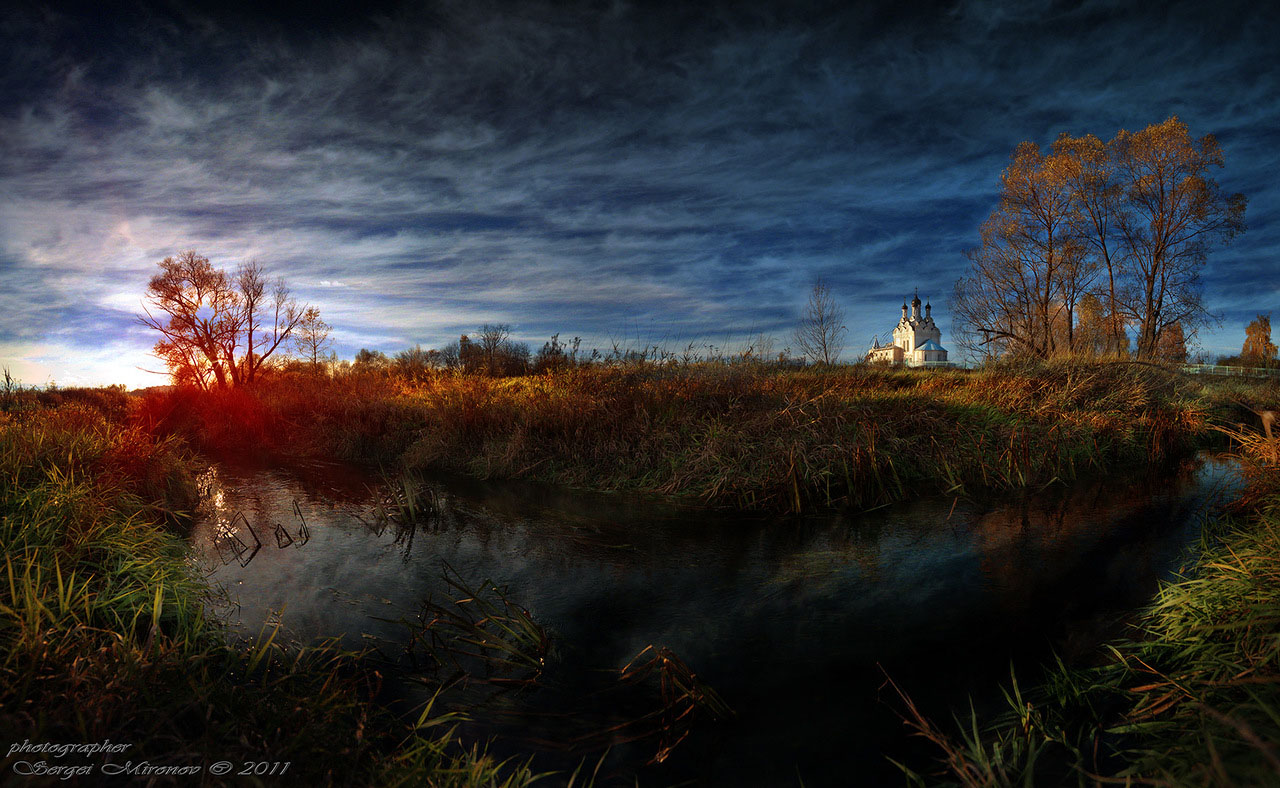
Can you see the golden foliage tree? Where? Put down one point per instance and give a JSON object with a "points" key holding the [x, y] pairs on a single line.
{"points": [[1258, 348], [1171, 216], [1026, 276], [1142, 209], [1171, 345]]}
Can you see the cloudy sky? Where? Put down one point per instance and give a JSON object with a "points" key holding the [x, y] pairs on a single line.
{"points": [[622, 172]]}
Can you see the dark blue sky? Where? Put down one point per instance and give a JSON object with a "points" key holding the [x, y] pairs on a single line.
{"points": [[628, 173]]}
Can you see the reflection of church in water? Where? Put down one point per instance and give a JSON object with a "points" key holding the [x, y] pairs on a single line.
{"points": [[916, 340]]}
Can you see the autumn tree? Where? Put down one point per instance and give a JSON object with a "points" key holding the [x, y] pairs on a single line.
{"points": [[1087, 166], [215, 329], [821, 332], [1171, 345], [1172, 214], [1096, 333], [1131, 221], [311, 337], [1091, 327], [413, 363], [495, 349], [1029, 271], [1258, 348]]}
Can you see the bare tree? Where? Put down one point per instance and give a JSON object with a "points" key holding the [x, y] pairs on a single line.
{"points": [[213, 328], [492, 337], [267, 322], [820, 335], [311, 336]]}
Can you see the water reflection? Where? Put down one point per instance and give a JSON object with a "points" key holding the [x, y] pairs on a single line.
{"points": [[787, 620]]}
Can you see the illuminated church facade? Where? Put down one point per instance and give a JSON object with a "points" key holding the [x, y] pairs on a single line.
{"points": [[917, 340]]}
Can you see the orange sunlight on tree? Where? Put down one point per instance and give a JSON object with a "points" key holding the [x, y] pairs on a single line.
{"points": [[218, 330]]}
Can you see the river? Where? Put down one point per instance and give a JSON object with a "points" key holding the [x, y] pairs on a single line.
{"points": [[795, 622]]}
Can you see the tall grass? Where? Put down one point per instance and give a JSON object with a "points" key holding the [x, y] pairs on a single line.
{"points": [[747, 436], [104, 634], [1192, 698]]}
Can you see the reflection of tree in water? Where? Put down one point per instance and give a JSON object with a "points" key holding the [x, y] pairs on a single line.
{"points": [[1042, 541]]}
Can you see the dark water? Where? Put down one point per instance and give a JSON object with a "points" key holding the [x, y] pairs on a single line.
{"points": [[795, 622]]}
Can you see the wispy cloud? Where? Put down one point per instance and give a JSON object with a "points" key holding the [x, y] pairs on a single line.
{"points": [[417, 172]]}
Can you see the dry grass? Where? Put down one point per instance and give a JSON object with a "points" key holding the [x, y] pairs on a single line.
{"points": [[103, 630], [745, 436], [1193, 698]]}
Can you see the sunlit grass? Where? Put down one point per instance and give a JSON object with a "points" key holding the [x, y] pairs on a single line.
{"points": [[746, 436]]}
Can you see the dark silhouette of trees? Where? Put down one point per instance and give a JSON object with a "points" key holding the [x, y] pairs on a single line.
{"points": [[1130, 221], [820, 335], [368, 360], [415, 363], [490, 340], [556, 355], [217, 330]]}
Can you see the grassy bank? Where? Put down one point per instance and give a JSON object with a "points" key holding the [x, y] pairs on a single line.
{"points": [[103, 633], [1193, 698], [745, 436]]}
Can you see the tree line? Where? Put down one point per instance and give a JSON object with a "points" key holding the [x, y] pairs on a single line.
{"points": [[1091, 239]]}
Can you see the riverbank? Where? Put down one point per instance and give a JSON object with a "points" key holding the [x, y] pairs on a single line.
{"points": [[1191, 698], [106, 637], [742, 436]]}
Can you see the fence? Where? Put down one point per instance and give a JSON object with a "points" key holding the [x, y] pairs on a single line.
{"points": [[1217, 369]]}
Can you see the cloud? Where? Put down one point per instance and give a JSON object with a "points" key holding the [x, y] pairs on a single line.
{"points": [[416, 173]]}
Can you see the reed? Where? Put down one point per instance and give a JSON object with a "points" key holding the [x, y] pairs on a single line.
{"points": [[104, 631], [478, 635], [1191, 698], [746, 436]]}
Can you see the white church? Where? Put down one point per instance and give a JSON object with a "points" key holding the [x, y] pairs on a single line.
{"points": [[917, 340]]}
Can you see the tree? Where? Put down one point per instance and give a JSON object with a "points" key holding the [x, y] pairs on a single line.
{"points": [[413, 363], [492, 335], [1091, 327], [214, 328], [1094, 327], [1258, 349], [1087, 166], [1173, 213], [1141, 208], [311, 337], [371, 359], [1171, 345], [820, 335], [1029, 272]]}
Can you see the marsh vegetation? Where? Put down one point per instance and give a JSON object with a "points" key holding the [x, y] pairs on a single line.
{"points": [[110, 633]]}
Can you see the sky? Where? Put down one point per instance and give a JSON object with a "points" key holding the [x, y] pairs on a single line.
{"points": [[628, 173]]}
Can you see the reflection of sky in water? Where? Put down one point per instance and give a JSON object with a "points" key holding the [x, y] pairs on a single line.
{"points": [[748, 603]]}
